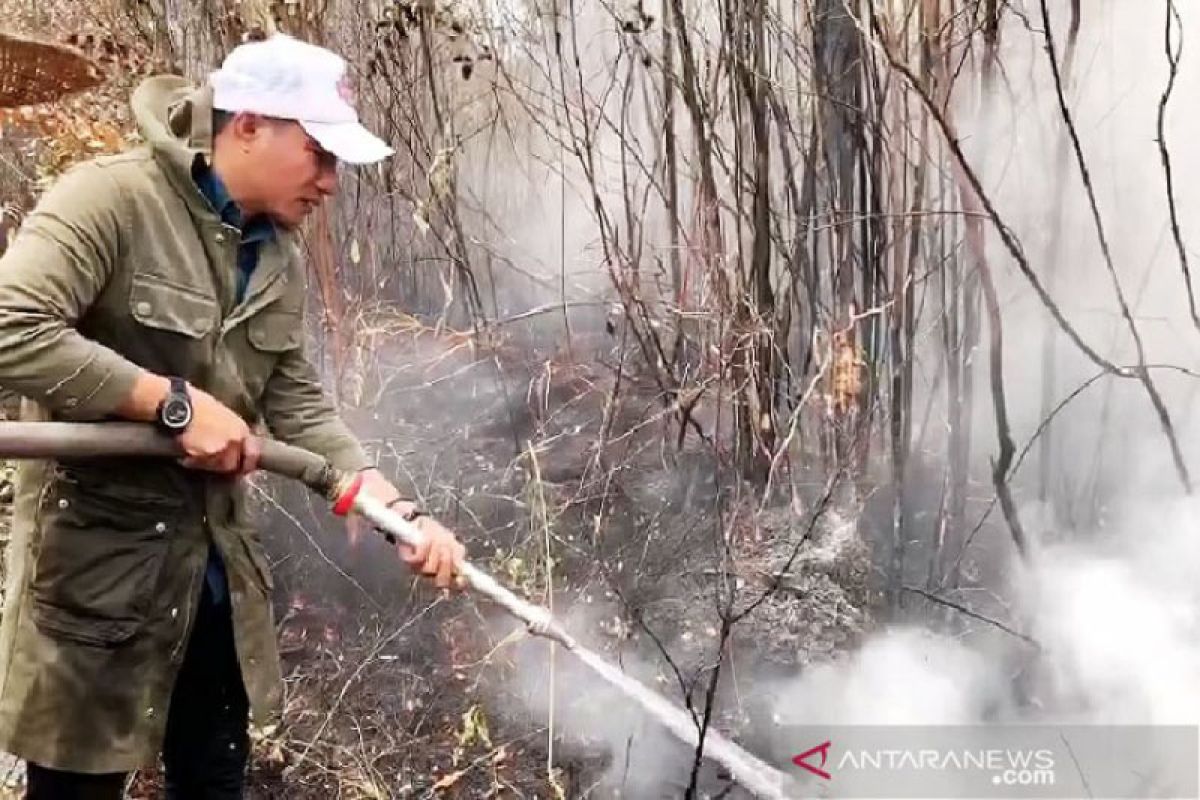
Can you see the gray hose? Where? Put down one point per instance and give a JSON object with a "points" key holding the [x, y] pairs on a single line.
{"points": [[102, 439]]}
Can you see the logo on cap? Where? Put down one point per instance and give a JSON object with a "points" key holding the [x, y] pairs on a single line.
{"points": [[345, 89]]}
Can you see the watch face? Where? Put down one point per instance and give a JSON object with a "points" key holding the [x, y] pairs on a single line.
{"points": [[177, 413]]}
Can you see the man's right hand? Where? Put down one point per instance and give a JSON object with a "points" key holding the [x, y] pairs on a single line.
{"points": [[217, 440]]}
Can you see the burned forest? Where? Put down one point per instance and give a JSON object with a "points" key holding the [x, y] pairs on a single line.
{"points": [[817, 364]]}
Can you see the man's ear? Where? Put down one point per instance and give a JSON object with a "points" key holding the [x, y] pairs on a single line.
{"points": [[246, 126]]}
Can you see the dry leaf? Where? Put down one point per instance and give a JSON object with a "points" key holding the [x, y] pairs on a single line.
{"points": [[449, 780], [439, 174]]}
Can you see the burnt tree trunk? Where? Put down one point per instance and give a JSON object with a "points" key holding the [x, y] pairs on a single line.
{"points": [[838, 74]]}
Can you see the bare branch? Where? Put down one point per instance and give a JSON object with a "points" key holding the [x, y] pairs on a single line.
{"points": [[933, 598], [1140, 371], [1173, 56]]}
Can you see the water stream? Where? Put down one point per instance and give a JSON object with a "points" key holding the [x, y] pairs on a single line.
{"points": [[748, 770], [752, 773]]}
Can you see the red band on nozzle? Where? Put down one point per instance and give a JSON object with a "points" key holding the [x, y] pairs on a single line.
{"points": [[346, 501]]}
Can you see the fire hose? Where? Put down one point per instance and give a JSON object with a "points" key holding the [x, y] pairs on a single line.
{"points": [[72, 440]]}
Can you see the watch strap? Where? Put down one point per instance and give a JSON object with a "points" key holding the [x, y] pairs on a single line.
{"points": [[412, 514]]}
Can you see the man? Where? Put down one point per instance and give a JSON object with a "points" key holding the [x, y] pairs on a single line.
{"points": [[146, 286]]}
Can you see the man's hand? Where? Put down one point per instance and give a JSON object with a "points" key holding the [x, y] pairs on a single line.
{"points": [[440, 555], [217, 440]]}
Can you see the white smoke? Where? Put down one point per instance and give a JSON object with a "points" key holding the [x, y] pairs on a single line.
{"points": [[1117, 622]]}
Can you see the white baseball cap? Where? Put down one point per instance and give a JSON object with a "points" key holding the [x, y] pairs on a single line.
{"points": [[290, 79]]}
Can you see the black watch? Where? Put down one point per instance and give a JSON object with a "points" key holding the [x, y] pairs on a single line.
{"points": [[175, 411]]}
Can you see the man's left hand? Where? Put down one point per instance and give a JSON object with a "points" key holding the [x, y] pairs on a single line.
{"points": [[440, 555]]}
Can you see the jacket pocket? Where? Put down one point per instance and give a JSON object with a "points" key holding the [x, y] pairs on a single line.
{"points": [[160, 303], [276, 331], [101, 552]]}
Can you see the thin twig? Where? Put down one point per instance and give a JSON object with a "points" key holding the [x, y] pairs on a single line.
{"points": [[1173, 56], [933, 598]]}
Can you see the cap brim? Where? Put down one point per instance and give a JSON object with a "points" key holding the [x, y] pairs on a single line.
{"points": [[349, 141]]}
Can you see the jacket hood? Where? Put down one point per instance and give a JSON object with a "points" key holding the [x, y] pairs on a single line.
{"points": [[174, 118]]}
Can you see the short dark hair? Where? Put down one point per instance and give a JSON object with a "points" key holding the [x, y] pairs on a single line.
{"points": [[220, 118]]}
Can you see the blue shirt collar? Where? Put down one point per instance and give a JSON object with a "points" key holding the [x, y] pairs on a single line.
{"points": [[257, 229]]}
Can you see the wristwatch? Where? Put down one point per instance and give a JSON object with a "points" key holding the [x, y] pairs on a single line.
{"points": [[412, 514], [175, 411]]}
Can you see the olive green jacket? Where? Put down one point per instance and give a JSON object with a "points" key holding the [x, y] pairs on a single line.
{"points": [[124, 265]]}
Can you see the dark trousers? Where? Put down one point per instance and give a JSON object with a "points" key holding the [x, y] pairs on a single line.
{"points": [[206, 744]]}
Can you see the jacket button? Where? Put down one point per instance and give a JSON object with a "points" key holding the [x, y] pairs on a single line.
{"points": [[219, 238], [175, 612], [160, 527], [142, 307], [63, 502], [150, 713]]}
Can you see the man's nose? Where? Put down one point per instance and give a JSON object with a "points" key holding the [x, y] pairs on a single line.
{"points": [[327, 180]]}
